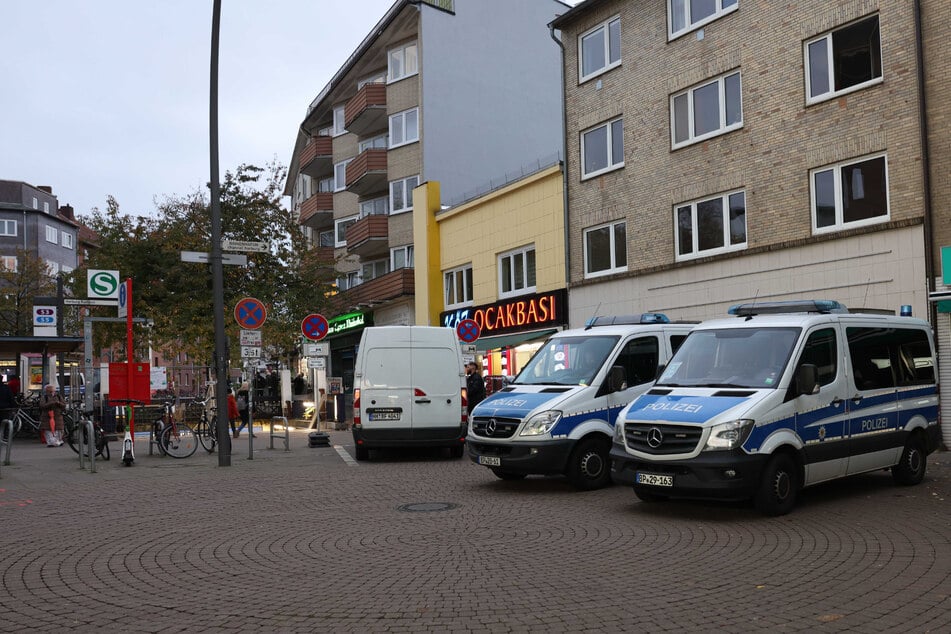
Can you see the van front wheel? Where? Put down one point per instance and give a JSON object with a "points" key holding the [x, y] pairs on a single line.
{"points": [[780, 485], [589, 466], [911, 468]]}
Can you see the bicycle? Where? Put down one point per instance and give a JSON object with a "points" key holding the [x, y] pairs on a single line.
{"points": [[205, 429], [76, 434], [174, 439], [24, 423]]}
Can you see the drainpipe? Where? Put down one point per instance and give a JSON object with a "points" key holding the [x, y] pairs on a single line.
{"points": [[564, 156], [925, 168]]}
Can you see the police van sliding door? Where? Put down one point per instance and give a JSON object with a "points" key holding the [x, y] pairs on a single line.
{"points": [[822, 419], [874, 435]]}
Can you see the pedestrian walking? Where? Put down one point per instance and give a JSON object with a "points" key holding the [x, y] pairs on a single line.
{"points": [[244, 409], [51, 416], [233, 413]]}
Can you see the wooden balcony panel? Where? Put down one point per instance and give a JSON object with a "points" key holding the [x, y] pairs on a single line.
{"points": [[316, 159], [366, 174], [369, 237], [387, 287], [317, 211], [365, 113]]}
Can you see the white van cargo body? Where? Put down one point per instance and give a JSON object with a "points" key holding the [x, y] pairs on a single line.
{"points": [[781, 396], [409, 390], [557, 416]]}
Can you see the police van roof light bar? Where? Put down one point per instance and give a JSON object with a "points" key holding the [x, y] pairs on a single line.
{"points": [[626, 320], [823, 306]]}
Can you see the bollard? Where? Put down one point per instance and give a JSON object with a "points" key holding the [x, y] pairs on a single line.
{"points": [[286, 435], [87, 442], [6, 439]]}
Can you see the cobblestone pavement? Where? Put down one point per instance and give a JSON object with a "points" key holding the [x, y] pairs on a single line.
{"points": [[309, 540]]}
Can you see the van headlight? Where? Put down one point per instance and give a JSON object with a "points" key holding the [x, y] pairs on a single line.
{"points": [[619, 430], [541, 423], [729, 435]]}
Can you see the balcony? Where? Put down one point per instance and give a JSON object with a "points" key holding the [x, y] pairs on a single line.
{"points": [[369, 237], [381, 289], [366, 174], [365, 113], [324, 256], [316, 159], [317, 211]]}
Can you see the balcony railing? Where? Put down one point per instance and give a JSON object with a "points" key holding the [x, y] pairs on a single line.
{"points": [[317, 211], [381, 289], [365, 113], [316, 159], [369, 237], [366, 174]]}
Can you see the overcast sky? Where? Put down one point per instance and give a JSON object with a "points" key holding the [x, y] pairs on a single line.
{"points": [[110, 97]]}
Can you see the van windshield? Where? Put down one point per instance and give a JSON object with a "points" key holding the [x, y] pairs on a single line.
{"points": [[731, 357], [567, 361]]}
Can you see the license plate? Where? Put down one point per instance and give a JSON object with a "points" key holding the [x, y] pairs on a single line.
{"points": [[490, 461], [383, 415], [655, 479]]}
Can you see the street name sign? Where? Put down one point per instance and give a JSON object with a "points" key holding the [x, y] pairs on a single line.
{"points": [[80, 301], [204, 258], [244, 245]]}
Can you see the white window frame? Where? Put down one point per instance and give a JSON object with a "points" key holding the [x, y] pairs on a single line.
{"points": [[605, 28], [377, 78], [378, 142], [609, 126], [325, 185], [406, 201], [342, 165], [373, 212], [724, 7], [832, 93], [398, 122], [513, 255], [409, 254], [836, 170], [9, 262], [405, 70], [36, 203], [8, 228], [723, 128], [727, 247], [46, 206], [614, 268], [340, 228], [52, 234], [378, 268], [52, 266], [339, 120], [67, 240], [461, 295], [325, 236], [348, 280]]}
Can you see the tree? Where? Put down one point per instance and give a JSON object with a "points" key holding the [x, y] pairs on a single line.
{"points": [[18, 288], [177, 295]]}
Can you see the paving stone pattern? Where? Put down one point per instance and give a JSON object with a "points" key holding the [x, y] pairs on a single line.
{"points": [[306, 541]]}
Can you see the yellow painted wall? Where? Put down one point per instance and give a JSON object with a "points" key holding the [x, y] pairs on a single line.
{"points": [[427, 277]]}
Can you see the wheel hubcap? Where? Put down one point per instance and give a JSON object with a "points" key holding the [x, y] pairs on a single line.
{"points": [[782, 485], [592, 465]]}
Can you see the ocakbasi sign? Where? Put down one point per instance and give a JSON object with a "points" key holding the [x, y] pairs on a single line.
{"points": [[526, 312]]}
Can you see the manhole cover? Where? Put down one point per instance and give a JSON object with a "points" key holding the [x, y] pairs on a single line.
{"points": [[427, 507]]}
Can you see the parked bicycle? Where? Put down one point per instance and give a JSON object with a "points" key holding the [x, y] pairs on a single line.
{"points": [[76, 433], [24, 423], [175, 439], [207, 427]]}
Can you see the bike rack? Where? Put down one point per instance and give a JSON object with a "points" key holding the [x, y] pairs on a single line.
{"points": [[6, 439], [286, 435], [87, 438], [152, 439]]}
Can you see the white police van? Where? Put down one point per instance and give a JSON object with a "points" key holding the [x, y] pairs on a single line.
{"points": [[557, 416], [781, 396]]}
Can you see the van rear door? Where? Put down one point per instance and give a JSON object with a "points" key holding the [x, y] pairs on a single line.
{"points": [[436, 390]]}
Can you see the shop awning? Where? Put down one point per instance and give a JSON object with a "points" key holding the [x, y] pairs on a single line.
{"points": [[484, 344]]}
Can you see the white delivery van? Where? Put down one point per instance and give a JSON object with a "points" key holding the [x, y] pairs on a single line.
{"points": [[557, 416], [409, 390], [781, 396]]}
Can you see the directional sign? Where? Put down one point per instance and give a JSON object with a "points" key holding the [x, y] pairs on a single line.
{"points": [[243, 245], [204, 258], [468, 330], [250, 313], [314, 326], [79, 301], [317, 363]]}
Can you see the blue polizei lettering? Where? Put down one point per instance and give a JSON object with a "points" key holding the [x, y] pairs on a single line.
{"points": [[681, 409], [511, 404]]}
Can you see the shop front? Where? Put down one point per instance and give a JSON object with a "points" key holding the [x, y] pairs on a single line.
{"points": [[343, 335], [511, 330]]}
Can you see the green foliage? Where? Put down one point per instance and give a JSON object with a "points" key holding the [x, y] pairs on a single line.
{"points": [[17, 291], [177, 295]]}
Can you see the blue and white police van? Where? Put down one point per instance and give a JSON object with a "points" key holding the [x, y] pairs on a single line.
{"points": [[557, 416], [781, 396]]}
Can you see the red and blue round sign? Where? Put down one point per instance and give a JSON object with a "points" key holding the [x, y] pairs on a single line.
{"points": [[468, 330], [314, 327], [250, 313]]}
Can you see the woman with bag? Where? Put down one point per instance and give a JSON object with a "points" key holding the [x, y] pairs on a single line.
{"points": [[51, 416], [244, 409]]}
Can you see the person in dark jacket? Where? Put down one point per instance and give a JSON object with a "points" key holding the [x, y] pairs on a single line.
{"points": [[475, 385]]}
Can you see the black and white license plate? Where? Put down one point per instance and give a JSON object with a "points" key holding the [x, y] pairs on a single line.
{"points": [[490, 461], [655, 479], [383, 414]]}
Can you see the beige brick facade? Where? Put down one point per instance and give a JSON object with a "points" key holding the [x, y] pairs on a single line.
{"points": [[770, 157]]}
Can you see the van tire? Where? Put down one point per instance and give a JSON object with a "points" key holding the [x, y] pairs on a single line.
{"points": [[457, 451], [508, 475], [910, 469], [361, 453], [778, 487], [589, 466]]}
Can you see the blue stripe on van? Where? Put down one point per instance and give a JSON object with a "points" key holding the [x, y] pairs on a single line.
{"points": [[681, 409]]}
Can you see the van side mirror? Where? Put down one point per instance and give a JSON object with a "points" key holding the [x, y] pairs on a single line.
{"points": [[807, 379], [616, 379]]}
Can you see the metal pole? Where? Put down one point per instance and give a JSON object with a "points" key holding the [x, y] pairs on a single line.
{"points": [[217, 275]]}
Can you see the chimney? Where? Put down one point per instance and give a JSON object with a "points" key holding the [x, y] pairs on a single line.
{"points": [[67, 211], [45, 188]]}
